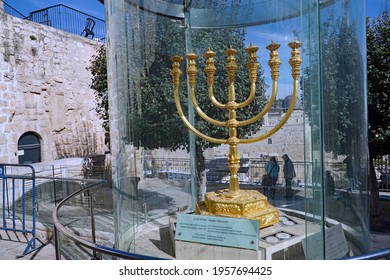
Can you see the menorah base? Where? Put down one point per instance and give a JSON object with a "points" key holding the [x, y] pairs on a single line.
{"points": [[245, 204]]}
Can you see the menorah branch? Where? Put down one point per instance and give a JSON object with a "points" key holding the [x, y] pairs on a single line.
{"points": [[233, 201], [176, 73]]}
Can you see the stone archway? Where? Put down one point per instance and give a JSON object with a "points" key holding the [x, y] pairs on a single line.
{"points": [[29, 148]]}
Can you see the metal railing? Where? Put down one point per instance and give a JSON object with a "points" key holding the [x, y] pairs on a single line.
{"points": [[252, 171], [97, 251], [66, 19], [86, 197], [69, 20], [15, 182], [383, 254], [179, 168], [11, 11]]}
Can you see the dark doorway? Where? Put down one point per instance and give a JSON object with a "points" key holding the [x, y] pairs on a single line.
{"points": [[29, 148]]}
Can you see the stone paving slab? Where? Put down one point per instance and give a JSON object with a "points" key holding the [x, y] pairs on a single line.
{"points": [[13, 245]]}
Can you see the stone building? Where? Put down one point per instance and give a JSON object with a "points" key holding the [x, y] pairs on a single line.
{"points": [[290, 139], [47, 109]]}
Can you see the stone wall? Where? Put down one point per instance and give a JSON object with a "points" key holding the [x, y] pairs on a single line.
{"points": [[44, 89], [290, 139]]}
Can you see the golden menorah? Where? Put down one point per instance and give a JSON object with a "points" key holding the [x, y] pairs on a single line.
{"points": [[234, 202]]}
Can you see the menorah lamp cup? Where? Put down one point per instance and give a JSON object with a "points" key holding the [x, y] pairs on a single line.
{"points": [[234, 202]]}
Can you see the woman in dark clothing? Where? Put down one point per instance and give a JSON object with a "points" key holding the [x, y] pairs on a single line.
{"points": [[272, 169]]}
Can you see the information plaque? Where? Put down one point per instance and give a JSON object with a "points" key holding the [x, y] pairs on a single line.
{"points": [[230, 232]]}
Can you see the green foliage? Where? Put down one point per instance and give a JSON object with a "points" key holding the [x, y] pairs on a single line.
{"points": [[154, 120], [98, 69], [378, 71], [162, 127]]}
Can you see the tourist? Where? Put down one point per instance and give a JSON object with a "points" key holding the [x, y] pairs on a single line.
{"points": [[289, 174], [272, 169]]}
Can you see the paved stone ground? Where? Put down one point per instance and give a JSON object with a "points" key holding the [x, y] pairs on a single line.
{"points": [[13, 250], [12, 245]]}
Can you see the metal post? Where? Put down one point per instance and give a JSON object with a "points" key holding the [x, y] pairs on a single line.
{"points": [[91, 206], [145, 212], [34, 208], [54, 185], [57, 244]]}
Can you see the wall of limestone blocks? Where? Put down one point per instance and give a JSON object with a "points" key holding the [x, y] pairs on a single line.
{"points": [[44, 89]]}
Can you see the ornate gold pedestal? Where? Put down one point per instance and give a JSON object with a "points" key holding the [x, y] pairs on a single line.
{"points": [[245, 204]]}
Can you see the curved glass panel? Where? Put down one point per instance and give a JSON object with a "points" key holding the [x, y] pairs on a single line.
{"points": [[231, 13], [161, 170], [344, 124]]}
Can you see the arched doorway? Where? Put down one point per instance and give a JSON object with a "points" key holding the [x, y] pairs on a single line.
{"points": [[29, 148]]}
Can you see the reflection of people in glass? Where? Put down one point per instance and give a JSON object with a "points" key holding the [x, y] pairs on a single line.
{"points": [[350, 172], [289, 174], [272, 169], [329, 184]]}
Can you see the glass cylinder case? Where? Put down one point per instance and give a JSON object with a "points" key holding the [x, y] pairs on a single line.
{"points": [[205, 95]]}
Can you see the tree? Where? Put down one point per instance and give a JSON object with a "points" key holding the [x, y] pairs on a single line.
{"points": [[338, 128], [158, 104], [338, 100], [378, 73], [159, 116], [155, 107], [98, 70]]}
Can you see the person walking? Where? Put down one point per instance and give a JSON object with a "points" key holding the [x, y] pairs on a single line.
{"points": [[272, 169], [289, 174]]}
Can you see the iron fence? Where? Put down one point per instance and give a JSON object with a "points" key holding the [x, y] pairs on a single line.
{"points": [[86, 246], [167, 168], [70, 20], [65, 18], [250, 172], [16, 181]]}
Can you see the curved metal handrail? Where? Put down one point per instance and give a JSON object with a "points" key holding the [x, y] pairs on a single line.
{"points": [[86, 243], [375, 255]]}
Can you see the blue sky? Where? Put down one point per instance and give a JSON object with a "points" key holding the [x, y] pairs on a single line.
{"points": [[375, 7], [95, 8]]}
